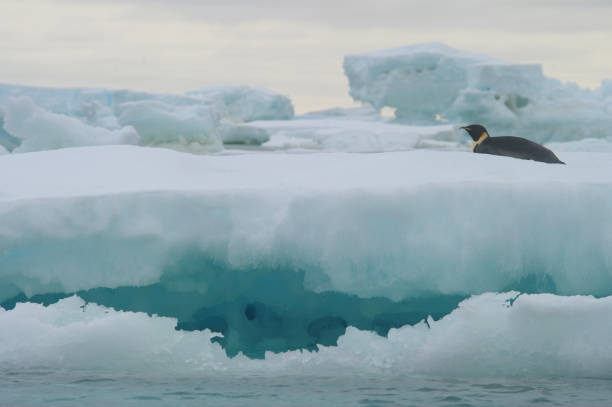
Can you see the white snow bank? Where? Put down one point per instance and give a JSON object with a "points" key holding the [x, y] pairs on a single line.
{"points": [[242, 103], [41, 130], [428, 81], [486, 336], [392, 225], [354, 135]]}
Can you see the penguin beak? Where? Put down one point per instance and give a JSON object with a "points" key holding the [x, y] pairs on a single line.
{"points": [[465, 128]]}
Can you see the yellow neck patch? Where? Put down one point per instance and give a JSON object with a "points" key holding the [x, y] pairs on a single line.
{"points": [[483, 136]]}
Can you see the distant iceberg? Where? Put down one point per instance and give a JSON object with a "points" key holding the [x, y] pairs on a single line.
{"points": [[42, 130], [426, 85], [193, 127], [198, 121], [242, 103], [426, 82]]}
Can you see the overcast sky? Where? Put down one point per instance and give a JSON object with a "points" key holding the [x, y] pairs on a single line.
{"points": [[293, 47]]}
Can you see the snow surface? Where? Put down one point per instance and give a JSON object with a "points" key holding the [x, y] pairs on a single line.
{"points": [[392, 225], [426, 81], [487, 335]]}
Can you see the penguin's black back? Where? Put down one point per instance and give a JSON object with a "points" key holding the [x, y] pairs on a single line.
{"points": [[517, 147]]}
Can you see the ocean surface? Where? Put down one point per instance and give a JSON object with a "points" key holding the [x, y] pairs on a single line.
{"points": [[56, 388]]}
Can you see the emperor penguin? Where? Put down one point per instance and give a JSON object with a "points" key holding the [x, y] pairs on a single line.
{"points": [[509, 146]]}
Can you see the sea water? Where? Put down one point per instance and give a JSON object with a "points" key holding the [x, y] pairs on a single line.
{"points": [[53, 388]]}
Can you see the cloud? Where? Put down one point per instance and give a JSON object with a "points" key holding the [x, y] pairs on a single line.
{"points": [[518, 15], [292, 47]]}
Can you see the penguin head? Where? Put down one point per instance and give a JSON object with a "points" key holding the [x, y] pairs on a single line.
{"points": [[476, 131]]}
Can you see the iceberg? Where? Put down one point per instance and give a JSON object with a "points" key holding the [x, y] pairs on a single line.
{"points": [[40, 130], [429, 82], [242, 103], [420, 81], [280, 252], [198, 121], [394, 225], [193, 128]]}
